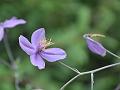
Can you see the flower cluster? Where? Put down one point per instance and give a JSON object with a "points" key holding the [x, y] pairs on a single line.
{"points": [[38, 51], [37, 48]]}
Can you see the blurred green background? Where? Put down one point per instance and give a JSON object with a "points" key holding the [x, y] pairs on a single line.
{"points": [[65, 22]]}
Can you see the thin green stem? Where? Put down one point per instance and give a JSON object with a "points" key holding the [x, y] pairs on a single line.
{"points": [[113, 54], [7, 47], [89, 72], [75, 70], [92, 81], [16, 75], [62, 88], [11, 58], [92, 72], [5, 63]]}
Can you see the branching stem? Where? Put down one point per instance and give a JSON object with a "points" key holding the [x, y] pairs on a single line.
{"points": [[92, 72]]}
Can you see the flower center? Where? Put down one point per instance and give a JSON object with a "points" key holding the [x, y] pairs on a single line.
{"points": [[45, 43]]}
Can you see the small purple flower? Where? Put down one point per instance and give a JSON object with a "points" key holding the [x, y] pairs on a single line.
{"points": [[37, 49], [95, 46], [9, 24]]}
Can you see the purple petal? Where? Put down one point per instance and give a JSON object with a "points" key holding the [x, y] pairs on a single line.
{"points": [[1, 33], [13, 22], [26, 45], [38, 36], [53, 54], [36, 60], [95, 47]]}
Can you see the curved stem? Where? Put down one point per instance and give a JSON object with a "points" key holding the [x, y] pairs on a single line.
{"points": [[89, 72], [113, 54], [73, 69], [62, 88], [11, 58], [7, 47], [92, 72], [5, 63]]}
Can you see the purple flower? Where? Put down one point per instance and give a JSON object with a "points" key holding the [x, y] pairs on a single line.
{"points": [[37, 49], [9, 24], [95, 46]]}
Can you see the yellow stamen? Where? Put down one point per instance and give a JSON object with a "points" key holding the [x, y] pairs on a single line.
{"points": [[46, 43]]}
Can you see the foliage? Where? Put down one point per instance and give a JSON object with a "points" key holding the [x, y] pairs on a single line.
{"points": [[65, 22]]}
